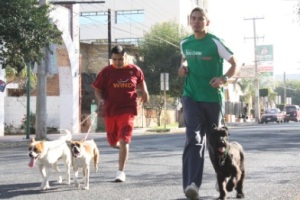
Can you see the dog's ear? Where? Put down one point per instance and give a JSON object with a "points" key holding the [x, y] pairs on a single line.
{"points": [[69, 143], [32, 140]]}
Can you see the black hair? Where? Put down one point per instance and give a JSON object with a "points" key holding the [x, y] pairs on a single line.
{"points": [[118, 50], [202, 10]]}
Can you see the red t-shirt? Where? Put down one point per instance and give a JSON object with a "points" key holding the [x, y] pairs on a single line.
{"points": [[119, 89]]}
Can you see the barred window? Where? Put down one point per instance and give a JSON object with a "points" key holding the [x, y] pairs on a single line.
{"points": [[129, 16]]}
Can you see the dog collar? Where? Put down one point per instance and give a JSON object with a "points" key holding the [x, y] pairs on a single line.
{"points": [[222, 158]]}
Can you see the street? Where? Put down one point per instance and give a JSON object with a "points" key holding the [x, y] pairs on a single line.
{"points": [[154, 168]]}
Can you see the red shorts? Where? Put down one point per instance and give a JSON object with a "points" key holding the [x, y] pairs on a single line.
{"points": [[119, 127]]}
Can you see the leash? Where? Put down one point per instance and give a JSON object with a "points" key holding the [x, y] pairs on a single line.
{"points": [[86, 135], [86, 118], [223, 157], [221, 107]]}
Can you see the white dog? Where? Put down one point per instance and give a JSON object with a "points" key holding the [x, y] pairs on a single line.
{"points": [[47, 153], [82, 154]]}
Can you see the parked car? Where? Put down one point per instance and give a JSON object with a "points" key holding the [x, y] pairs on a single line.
{"points": [[292, 113], [272, 115]]}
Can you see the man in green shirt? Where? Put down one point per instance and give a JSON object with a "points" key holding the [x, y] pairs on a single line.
{"points": [[202, 66]]}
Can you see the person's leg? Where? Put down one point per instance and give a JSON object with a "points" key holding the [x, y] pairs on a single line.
{"points": [[193, 154], [125, 124], [212, 116], [111, 132], [123, 154]]}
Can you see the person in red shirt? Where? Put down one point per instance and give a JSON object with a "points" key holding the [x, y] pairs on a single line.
{"points": [[116, 92]]}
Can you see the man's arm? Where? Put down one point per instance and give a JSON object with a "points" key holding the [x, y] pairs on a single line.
{"points": [[217, 82], [183, 69], [99, 96], [233, 68], [145, 94]]}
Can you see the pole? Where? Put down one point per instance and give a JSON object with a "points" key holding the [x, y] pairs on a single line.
{"points": [[284, 88], [256, 81], [28, 115], [109, 34], [165, 102], [257, 103], [41, 107]]}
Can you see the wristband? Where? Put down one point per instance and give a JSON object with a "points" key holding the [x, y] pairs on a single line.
{"points": [[225, 78]]}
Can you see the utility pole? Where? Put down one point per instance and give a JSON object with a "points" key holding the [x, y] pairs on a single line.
{"points": [[109, 34], [284, 88], [256, 81], [41, 103]]}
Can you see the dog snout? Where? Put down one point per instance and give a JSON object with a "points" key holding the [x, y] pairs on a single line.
{"points": [[75, 150]]}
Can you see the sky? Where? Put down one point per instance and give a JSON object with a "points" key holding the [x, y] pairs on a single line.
{"points": [[278, 27]]}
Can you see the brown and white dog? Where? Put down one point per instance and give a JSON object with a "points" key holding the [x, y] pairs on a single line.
{"points": [[47, 153], [82, 154]]}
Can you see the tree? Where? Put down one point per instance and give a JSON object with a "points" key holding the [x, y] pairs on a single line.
{"points": [[21, 38], [25, 30], [160, 53], [25, 36], [292, 88]]}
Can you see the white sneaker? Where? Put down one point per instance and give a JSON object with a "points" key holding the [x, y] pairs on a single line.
{"points": [[192, 191], [120, 176]]}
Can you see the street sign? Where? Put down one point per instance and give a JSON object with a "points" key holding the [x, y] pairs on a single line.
{"points": [[164, 81]]}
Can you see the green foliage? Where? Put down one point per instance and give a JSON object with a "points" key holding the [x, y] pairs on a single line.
{"points": [[292, 88], [25, 31], [160, 53]]}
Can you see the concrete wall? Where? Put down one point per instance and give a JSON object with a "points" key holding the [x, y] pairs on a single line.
{"points": [[15, 110]]}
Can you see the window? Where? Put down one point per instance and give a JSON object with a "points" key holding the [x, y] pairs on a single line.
{"points": [[129, 16], [128, 40], [93, 17]]}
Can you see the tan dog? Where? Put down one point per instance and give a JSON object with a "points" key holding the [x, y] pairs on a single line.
{"points": [[47, 153], [82, 154]]}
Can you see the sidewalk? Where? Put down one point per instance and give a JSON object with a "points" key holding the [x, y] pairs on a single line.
{"points": [[11, 140]]}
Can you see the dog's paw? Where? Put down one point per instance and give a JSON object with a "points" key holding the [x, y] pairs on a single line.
{"points": [[86, 188], [59, 179], [46, 187], [68, 182], [240, 195], [230, 185], [77, 184]]}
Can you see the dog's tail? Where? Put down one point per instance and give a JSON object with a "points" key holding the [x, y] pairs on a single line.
{"points": [[96, 156], [67, 137]]}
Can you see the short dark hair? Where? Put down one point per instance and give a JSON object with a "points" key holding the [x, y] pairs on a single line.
{"points": [[202, 10], [118, 50]]}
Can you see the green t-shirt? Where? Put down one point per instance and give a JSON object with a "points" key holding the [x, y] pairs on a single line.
{"points": [[205, 61]]}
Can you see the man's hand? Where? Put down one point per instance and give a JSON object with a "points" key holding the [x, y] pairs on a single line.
{"points": [[183, 70], [100, 106], [217, 82], [145, 97]]}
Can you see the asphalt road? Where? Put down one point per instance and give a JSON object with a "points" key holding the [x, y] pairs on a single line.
{"points": [[154, 168]]}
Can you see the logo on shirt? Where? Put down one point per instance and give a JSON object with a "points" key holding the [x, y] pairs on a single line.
{"points": [[123, 84], [189, 52]]}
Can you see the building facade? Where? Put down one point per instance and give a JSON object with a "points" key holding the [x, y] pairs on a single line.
{"points": [[130, 19]]}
